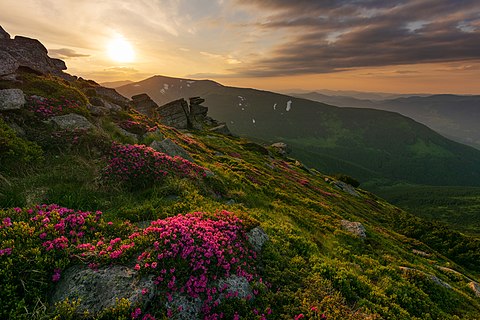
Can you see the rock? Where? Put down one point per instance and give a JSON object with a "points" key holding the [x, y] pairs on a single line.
{"points": [[144, 104], [98, 290], [281, 148], [4, 34], [112, 95], [11, 99], [257, 238], [355, 228], [235, 285], [72, 121], [171, 148], [475, 288], [184, 307], [174, 114], [221, 129], [8, 64], [345, 187]]}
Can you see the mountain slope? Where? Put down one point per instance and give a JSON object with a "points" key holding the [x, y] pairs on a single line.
{"points": [[453, 116], [368, 144]]}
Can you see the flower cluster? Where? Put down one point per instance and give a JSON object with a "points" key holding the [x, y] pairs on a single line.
{"points": [[50, 107], [139, 165]]}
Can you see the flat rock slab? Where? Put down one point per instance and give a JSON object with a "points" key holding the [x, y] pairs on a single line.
{"points": [[99, 289], [72, 121], [11, 99]]}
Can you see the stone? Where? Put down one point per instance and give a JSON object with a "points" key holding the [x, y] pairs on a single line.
{"points": [[112, 95], [4, 34], [236, 285], [257, 237], [11, 99], [174, 114], [221, 129], [72, 121], [475, 287], [144, 104], [8, 64], [345, 187], [98, 289], [171, 148], [355, 228], [281, 148]]}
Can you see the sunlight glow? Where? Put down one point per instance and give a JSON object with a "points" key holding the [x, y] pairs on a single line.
{"points": [[120, 50]]}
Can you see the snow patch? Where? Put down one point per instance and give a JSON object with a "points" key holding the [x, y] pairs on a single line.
{"points": [[289, 105]]}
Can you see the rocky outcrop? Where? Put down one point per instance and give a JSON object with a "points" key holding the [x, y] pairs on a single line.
{"points": [[144, 104], [174, 114], [99, 289], [222, 129], [355, 228], [345, 187], [72, 121], [11, 99], [257, 237], [171, 148]]}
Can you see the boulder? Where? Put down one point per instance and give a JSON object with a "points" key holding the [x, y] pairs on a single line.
{"points": [[144, 104], [4, 34], [174, 114], [11, 99], [257, 237], [171, 148], [72, 121], [355, 228], [222, 129], [8, 64], [345, 187], [475, 287], [99, 289], [281, 148]]}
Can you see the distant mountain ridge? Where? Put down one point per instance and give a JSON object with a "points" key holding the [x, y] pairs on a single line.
{"points": [[454, 116], [372, 145]]}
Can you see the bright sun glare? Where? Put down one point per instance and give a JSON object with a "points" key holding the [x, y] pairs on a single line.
{"points": [[120, 50]]}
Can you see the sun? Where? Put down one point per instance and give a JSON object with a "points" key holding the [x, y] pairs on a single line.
{"points": [[120, 50]]}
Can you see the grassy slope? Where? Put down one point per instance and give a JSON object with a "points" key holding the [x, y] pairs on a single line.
{"points": [[310, 260]]}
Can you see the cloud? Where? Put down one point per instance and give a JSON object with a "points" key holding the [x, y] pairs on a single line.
{"points": [[338, 35], [66, 53]]}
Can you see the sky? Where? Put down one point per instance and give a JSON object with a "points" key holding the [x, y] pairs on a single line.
{"points": [[401, 46]]}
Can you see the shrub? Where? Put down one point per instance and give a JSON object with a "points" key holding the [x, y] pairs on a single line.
{"points": [[141, 166]]}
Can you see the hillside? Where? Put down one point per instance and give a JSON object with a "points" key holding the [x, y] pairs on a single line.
{"points": [[102, 216], [374, 146], [453, 116]]}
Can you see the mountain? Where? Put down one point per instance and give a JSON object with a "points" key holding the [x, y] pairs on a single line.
{"points": [[372, 145], [453, 116], [115, 84]]}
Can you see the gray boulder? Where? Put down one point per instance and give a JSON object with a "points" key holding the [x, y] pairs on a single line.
{"points": [[345, 187], [257, 237], [8, 64], [174, 114], [355, 228], [72, 121], [11, 99], [144, 104], [171, 148], [99, 289], [221, 129]]}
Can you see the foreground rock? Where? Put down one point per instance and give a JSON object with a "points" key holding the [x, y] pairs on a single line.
{"points": [[72, 121], [11, 99], [355, 228], [171, 148], [99, 289]]}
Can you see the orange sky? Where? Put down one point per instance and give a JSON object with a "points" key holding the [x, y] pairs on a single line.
{"points": [[421, 46]]}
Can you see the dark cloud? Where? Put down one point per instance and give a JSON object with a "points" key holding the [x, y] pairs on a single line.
{"points": [[65, 53], [335, 35]]}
